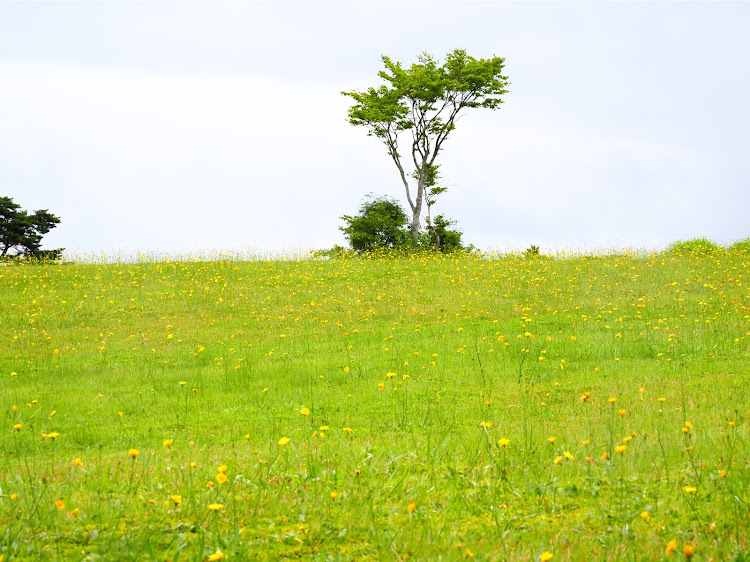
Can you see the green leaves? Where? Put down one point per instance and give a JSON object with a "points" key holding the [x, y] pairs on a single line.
{"points": [[426, 97], [380, 110], [379, 225], [20, 230]]}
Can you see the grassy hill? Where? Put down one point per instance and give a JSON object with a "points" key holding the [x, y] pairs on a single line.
{"points": [[385, 408]]}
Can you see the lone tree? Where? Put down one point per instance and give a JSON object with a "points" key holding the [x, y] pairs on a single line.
{"points": [[426, 99], [21, 232]]}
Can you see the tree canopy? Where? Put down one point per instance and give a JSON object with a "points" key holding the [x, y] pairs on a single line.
{"points": [[426, 100], [21, 232]]}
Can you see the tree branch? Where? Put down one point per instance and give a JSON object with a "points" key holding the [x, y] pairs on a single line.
{"points": [[392, 143]]}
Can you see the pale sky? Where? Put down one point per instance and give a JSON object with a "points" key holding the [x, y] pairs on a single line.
{"points": [[176, 126]]}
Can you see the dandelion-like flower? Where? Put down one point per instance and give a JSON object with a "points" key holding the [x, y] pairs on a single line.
{"points": [[284, 441], [134, 453]]}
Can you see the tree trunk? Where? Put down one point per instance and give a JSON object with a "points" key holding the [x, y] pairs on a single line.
{"points": [[417, 209]]}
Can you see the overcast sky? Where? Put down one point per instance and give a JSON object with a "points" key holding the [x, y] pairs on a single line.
{"points": [[175, 126]]}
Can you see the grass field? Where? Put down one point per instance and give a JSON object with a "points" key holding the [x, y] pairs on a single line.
{"points": [[427, 407]]}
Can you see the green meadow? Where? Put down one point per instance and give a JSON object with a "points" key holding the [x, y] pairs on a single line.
{"points": [[379, 408]]}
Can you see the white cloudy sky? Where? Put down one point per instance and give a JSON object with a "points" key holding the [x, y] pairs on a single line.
{"points": [[173, 126]]}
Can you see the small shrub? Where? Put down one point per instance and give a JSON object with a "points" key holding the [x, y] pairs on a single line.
{"points": [[380, 224], [531, 252], [741, 246], [335, 252], [694, 246], [449, 238], [44, 255]]}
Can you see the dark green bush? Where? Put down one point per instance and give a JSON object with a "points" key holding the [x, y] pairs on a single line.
{"points": [[441, 237], [380, 224]]}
